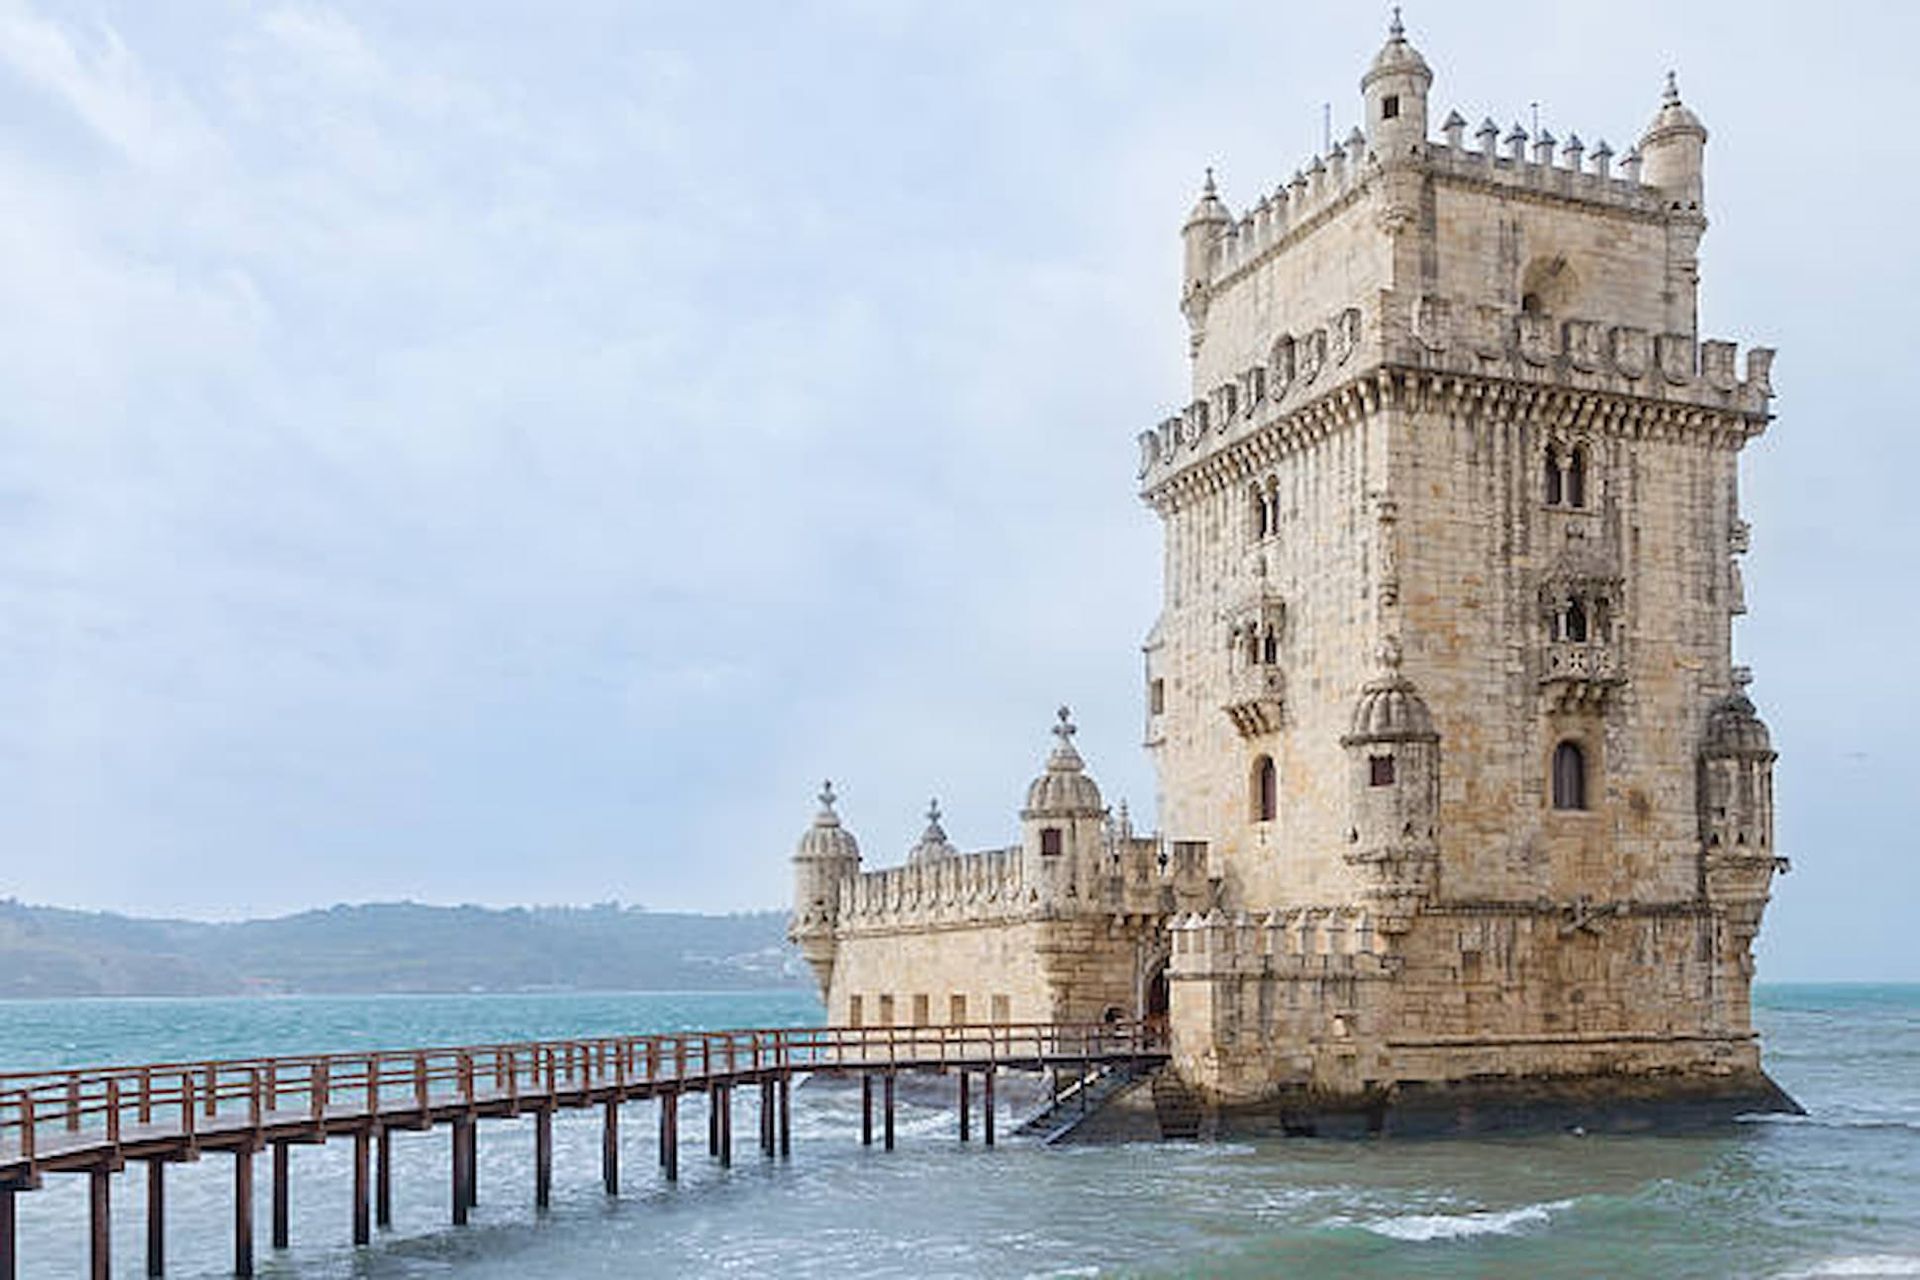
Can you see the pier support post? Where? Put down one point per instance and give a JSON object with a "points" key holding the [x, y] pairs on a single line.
{"points": [[769, 1140], [383, 1178], [713, 1120], [986, 1106], [100, 1222], [966, 1119], [243, 1212], [156, 1220], [543, 1157], [362, 1143], [786, 1116], [866, 1109], [670, 1135], [610, 1148], [888, 1118], [9, 1236], [473, 1163], [726, 1126], [462, 1126], [282, 1227]]}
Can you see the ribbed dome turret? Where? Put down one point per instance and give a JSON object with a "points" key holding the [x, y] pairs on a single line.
{"points": [[1735, 729], [1390, 709], [1065, 787], [1209, 208], [1397, 57], [933, 845], [1674, 117], [826, 839]]}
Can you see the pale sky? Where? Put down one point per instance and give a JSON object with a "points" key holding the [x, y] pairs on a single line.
{"points": [[495, 452]]}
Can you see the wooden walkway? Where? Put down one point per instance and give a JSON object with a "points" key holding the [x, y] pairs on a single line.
{"points": [[93, 1121]]}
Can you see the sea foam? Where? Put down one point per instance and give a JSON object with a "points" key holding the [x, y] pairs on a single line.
{"points": [[1461, 1226]]}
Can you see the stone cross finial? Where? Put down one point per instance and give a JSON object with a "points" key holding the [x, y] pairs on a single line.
{"points": [[1672, 95], [1066, 728], [933, 813], [826, 795], [1394, 29]]}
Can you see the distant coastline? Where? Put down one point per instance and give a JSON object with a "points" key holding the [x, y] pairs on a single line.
{"points": [[397, 948]]}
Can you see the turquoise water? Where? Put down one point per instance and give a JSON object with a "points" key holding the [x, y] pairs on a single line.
{"points": [[1836, 1193]]}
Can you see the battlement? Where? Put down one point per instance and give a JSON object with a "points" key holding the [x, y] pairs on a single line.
{"points": [[967, 886], [1437, 334]]}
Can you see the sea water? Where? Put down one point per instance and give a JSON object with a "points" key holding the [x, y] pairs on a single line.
{"points": [[1836, 1193]]}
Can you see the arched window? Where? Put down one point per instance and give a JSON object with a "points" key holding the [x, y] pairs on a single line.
{"points": [[1577, 477], [1530, 304], [1569, 776], [1270, 649], [1576, 622], [1266, 790], [1260, 513], [1552, 487]]}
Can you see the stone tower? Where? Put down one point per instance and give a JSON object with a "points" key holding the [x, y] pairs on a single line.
{"points": [[1445, 655]]}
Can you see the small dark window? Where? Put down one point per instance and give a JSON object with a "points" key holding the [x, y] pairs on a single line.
{"points": [[1050, 841], [1390, 107], [1576, 622], [1553, 480], [1530, 304], [1270, 650], [1577, 479], [1157, 696], [1266, 791], [1380, 771], [1569, 776]]}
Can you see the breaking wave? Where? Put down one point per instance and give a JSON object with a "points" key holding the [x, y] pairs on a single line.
{"points": [[1862, 1264], [1461, 1226]]}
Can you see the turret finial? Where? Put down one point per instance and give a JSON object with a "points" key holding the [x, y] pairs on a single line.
{"points": [[1672, 95], [1066, 728], [826, 795], [1394, 30], [933, 812], [1207, 188]]}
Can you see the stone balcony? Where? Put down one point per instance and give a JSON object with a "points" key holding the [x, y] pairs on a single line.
{"points": [[1581, 672], [1256, 695]]}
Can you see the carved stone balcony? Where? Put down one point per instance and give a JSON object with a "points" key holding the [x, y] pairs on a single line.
{"points": [[1578, 673], [1256, 695]]}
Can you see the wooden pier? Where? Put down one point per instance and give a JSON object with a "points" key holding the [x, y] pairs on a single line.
{"points": [[95, 1121]]}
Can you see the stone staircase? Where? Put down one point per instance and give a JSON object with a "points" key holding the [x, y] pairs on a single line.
{"points": [[1174, 1106]]}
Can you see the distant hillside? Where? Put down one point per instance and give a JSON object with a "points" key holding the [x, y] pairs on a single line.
{"points": [[392, 947]]}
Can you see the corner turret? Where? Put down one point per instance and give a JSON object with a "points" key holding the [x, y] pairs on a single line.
{"points": [[1201, 237], [828, 856], [1393, 794], [1063, 826], [1672, 155], [1395, 88]]}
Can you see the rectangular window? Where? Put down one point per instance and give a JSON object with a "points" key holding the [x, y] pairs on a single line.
{"points": [[957, 1010], [1157, 696], [921, 1015], [853, 1011], [886, 1011], [1390, 107], [1050, 844], [1380, 771], [1001, 1015]]}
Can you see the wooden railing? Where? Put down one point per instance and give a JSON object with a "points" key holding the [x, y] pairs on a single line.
{"points": [[108, 1106]]}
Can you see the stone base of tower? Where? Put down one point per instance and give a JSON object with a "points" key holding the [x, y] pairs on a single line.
{"points": [[1484, 1015]]}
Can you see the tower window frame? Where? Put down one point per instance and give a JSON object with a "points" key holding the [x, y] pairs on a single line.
{"points": [[1390, 107], [1052, 842], [1570, 780], [1265, 790], [1380, 771]]}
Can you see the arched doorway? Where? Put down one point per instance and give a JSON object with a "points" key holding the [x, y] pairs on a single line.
{"points": [[1156, 998]]}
